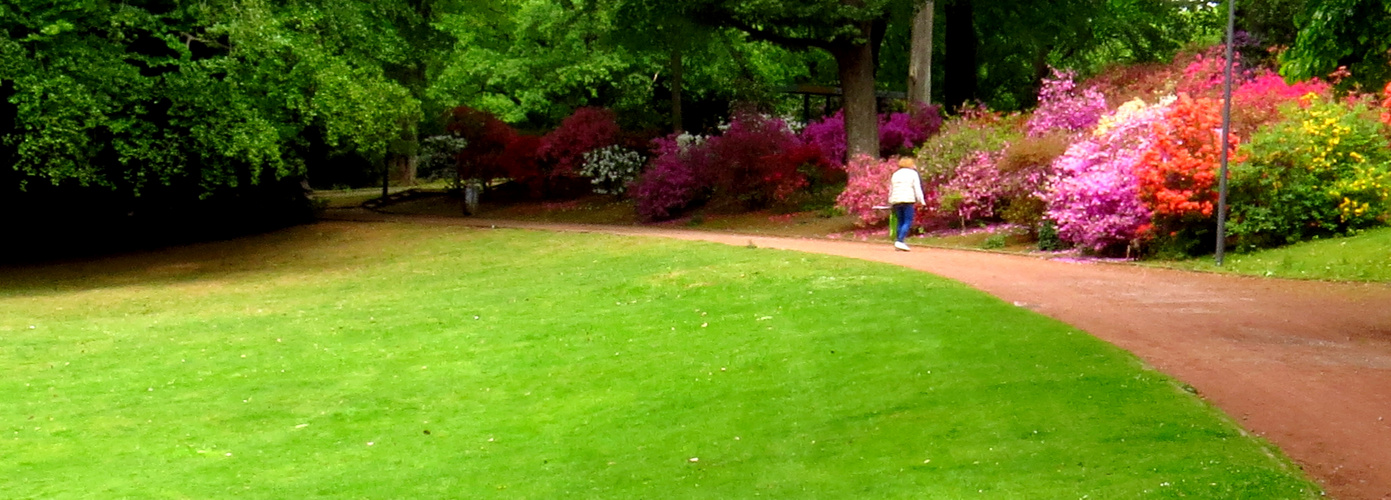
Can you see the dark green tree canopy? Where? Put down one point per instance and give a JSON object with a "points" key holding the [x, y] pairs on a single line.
{"points": [[1351, 33]]}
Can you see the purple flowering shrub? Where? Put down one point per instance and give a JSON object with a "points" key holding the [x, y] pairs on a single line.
{"points": [[673, 179], [828, 135], [899, 133], [1061, 106], [1094, 193]]}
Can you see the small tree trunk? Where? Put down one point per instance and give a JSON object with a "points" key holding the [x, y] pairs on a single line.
{"points": [[677, 69], [856, 67], [920, 61]]}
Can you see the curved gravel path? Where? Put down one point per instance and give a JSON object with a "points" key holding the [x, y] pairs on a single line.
{"points": [[1306, 365]]}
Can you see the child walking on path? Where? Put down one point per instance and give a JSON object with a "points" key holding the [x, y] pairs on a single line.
{"points": [[905, 191]]}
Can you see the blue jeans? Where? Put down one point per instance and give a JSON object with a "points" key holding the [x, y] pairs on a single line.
{"points": [[904, 213]]}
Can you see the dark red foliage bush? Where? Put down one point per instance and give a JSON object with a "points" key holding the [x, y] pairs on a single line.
{"points": [[519, 161], [589, 128], [490, 145]]}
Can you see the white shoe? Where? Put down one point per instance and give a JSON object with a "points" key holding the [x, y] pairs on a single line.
{"points": [[901, 246]]}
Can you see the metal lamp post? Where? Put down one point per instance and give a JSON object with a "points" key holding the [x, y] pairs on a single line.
{"points": [[1226, 133]]}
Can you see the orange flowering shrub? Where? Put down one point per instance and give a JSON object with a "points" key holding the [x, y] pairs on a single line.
{"points": [[1178, 173]]}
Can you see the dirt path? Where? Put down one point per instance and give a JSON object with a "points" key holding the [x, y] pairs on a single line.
{"points": [[1307, 365]]}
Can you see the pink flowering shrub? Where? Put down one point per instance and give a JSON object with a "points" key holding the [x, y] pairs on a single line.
{"points": [[868, 187], [976, 190], [1203, 76], [1061, 106], [1093, 197], [1256, 102]]}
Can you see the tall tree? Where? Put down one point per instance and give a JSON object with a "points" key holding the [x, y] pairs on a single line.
{"points": [[849, 30], [920, 54]]}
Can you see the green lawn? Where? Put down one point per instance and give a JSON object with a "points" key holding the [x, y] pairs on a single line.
{"points": [[401, 361], [1365, 257]]}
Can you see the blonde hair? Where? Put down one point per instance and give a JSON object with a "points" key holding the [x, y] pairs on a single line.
{"points": [[906, 162]]}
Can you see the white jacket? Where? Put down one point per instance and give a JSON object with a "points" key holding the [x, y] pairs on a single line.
{"points": [[906, 187]]}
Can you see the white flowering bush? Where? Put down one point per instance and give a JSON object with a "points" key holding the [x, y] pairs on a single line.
{"points": [[687, 140], [612, 168]]}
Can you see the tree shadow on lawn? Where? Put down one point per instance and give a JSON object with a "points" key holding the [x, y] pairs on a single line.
{"points": [[299, 251]]}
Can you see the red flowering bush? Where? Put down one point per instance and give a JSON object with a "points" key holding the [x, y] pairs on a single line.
{"points": [[1177, 173], [562, 150], [519, 161]]}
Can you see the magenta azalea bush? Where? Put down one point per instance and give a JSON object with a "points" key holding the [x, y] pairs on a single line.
{"points": [[673, 178], [1094, 195], [1061, 106], [828, 135], [899, 133]]}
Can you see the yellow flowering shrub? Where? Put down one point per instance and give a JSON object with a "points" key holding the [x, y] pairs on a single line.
{"points": [[1323, 169]]}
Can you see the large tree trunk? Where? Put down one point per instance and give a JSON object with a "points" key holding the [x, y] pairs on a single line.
{"points": [[961, 53], [677, 69], [856, 66], [920, 61]]}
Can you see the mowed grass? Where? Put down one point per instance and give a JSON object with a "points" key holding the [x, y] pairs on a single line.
{"points": [[1365, 257], [405, 361]]}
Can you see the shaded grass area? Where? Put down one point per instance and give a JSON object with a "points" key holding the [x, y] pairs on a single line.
{"points": [[1365, 257], [343, 360]]}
